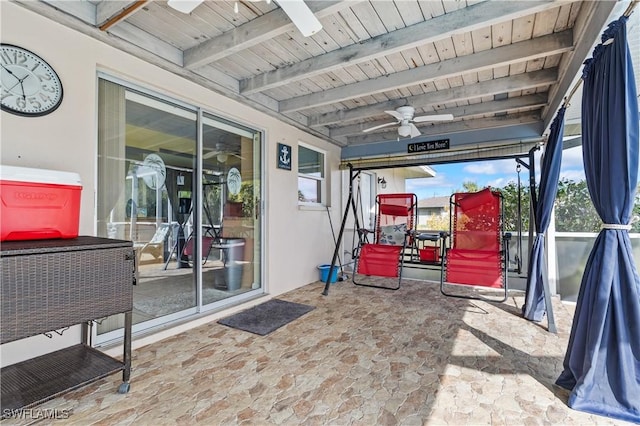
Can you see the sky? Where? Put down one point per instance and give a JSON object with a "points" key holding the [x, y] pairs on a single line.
{"points": [[450, 177]]}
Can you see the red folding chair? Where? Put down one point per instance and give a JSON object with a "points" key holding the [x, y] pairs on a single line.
{"points": [[479, 247], [207, 241], [396, 217]]}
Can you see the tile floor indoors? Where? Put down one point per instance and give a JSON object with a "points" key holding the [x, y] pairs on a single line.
{"points": [[364, 356]]}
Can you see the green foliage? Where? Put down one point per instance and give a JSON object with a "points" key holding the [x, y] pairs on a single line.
{"points": [[574, 209], [245, 196], [510, 199], [213, 196], [469, 186], [436, 222]]}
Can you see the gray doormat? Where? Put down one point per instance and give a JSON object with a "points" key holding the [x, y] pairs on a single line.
{"points": [[269, 316]]}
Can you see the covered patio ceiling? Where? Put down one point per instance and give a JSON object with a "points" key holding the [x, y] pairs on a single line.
{"points": [[501, 68]]}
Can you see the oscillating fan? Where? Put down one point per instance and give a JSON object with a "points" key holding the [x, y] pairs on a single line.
{"points": [[405, 120]]}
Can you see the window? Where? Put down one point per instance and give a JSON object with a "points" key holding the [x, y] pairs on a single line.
{"points": [[311, 185]]}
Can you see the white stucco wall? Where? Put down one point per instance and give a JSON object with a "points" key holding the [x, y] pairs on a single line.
{"points": [[395, 181], [297, 239]]}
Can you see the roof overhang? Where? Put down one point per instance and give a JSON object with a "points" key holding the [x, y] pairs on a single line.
{"points": [[493, 151], [416, 172]]}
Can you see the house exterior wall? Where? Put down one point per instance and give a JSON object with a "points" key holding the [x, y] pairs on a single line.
{"points": [[395, 181], [296, 239]]}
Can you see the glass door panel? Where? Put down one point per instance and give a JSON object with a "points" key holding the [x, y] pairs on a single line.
{"points": [[146, 183], [231, 188]]}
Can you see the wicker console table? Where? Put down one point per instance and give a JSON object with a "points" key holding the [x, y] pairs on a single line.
{"points": [[48, 285]]}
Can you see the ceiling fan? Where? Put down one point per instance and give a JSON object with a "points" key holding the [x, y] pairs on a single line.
{"points": [[220, 153], [299, 13], [404, 115]]}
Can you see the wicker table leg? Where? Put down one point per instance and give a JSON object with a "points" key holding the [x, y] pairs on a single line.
{"points": [[126, 372]]}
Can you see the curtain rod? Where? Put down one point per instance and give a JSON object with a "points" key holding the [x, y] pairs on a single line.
{"points": [[567, 98]]}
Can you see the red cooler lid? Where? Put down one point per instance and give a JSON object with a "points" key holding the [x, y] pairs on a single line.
{"points": [[32, 175]]}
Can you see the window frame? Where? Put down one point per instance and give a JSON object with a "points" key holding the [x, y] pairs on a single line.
{"points": [[322, 180]]}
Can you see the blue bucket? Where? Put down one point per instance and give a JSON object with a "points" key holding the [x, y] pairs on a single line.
{"points": [[324, 273]]}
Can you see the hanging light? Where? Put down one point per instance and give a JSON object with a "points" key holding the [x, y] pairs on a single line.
{"points": [[404, 130], [222, 157]]}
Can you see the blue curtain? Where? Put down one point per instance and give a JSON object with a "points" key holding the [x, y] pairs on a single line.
{"points": [[534, 305], [602, 363]]}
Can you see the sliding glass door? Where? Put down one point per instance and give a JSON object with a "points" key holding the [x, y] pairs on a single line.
{"points": [[185, 187]]}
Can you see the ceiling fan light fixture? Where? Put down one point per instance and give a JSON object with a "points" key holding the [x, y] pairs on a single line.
{"points": [[301, 16], [404, 130], [184, 6], [222, 157]]}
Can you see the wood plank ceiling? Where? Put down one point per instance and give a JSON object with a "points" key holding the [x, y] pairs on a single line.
{"points": [[501, 68]]}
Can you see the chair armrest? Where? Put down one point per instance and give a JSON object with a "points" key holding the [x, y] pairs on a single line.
{"points": [[365, 231], [427, 237]]}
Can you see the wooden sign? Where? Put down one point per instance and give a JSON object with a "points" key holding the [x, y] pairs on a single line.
{"points": [[415, 148]]}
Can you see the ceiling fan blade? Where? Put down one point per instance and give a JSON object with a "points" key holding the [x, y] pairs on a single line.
{"points": [[220, 155], [184, 6], [301, 16], [414, 130], [396, 115], [210, 154], [437, 117], [370, 129]]}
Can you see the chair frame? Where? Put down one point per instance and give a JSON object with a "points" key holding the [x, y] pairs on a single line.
{"points": [[208, 239], [503, 238], [157, 240], [412, 219]]}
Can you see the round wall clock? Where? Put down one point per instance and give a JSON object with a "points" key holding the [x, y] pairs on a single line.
{"points": [[30, 86]]}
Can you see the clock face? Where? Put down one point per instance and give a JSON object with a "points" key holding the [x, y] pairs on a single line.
{"points": [[30, 87]]}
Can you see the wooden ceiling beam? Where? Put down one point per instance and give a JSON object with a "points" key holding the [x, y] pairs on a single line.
{"points": [[110, 13], [143, 40], [456, 127], [480, 15], [589, 25], [83, 10], [256, 31], [485, 88], [467, 111], [539, 47]]}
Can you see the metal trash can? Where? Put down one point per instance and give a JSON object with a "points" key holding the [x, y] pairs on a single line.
{"points": [[233, 255]]}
